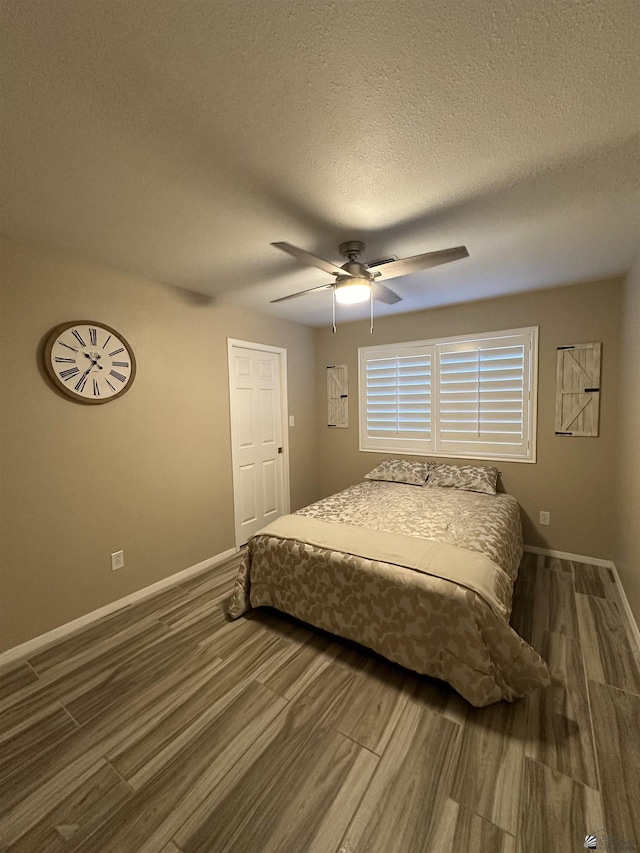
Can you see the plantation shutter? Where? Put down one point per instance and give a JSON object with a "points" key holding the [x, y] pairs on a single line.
{"points": [[483, 397], [338, 396], [470, 397], [578, 389], [397, 399]]}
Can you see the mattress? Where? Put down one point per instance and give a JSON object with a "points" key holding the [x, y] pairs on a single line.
{"points": [[422, 575]]}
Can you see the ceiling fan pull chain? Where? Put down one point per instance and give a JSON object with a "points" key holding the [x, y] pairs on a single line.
{"points": [[333, 295], [371, 301]]}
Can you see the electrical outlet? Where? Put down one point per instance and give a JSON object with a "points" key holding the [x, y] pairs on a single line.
{"points": [[545, 517], [117, 560]]}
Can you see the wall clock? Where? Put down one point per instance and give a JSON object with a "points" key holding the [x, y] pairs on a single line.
{"points": [[89, 362]]}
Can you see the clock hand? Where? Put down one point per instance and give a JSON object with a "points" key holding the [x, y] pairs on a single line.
{"points": [[79, 386], [89, 369], [94, 362]]}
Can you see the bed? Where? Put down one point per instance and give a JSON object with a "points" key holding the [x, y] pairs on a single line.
{"points": [[421, 574]]}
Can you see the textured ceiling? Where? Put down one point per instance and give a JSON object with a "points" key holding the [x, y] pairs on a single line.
{"points": [[177, 139]]}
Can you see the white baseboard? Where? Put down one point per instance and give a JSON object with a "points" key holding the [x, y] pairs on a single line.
{"points": [[627, 607], [38, 643], [595, 561], [564, 555]]}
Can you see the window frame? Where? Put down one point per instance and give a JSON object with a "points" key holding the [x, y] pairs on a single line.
{"points": [[423, 447]]}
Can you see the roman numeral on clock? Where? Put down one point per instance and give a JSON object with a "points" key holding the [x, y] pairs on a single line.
{"points": [[120, 364], [67, 374], [116, 351], [79, 386], [62, 344], [60, 360], [109, 384], [76, 335], [96, 389], [117, 375], [93, 337]]}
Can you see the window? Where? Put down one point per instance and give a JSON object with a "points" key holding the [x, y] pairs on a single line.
{"points": [[471, 397]]}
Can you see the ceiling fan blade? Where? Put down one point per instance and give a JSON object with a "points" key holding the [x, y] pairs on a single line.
{"points": [[382, 293], [302, 292], [311, 260], [405, 266]]}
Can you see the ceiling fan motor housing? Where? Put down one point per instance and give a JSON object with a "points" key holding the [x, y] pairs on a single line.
{"points": [[354, 270]]}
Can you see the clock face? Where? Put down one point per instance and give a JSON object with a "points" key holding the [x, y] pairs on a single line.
{"points": [[90, 362]]}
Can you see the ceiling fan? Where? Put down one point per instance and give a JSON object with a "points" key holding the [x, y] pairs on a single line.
{"points": [[356, 281]]}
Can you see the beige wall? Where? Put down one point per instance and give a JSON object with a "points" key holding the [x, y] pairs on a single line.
{"points": [[627, 554], [573, 477], [149, 472]]}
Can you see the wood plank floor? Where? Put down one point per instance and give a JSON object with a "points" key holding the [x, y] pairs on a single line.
{"points": [[165, 728]]}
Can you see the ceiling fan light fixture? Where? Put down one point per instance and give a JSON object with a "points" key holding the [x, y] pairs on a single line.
{"points": [[352, 292]]}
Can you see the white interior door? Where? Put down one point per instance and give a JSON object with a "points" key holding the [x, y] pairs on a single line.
{"points": [[258, 412]]}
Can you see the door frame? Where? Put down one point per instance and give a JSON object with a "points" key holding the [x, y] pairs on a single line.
{"points": [[284, 416]]}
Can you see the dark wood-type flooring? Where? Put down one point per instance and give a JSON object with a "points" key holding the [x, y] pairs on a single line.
{"points": [[166, 728]]}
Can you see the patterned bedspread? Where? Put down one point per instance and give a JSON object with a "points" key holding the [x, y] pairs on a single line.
{"points": [[426, 623]]}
